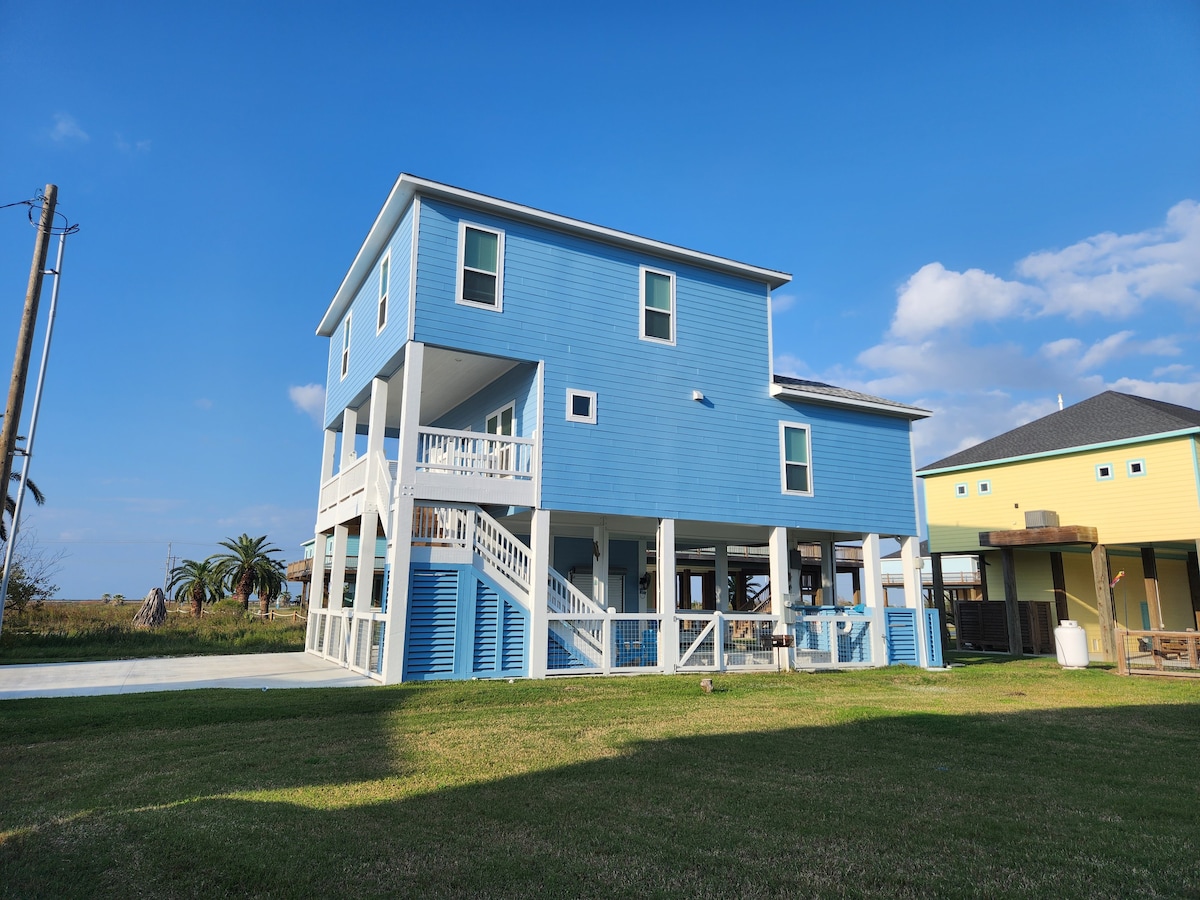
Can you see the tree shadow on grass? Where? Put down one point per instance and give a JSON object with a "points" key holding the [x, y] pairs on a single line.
{"points": [[1092, 802]]}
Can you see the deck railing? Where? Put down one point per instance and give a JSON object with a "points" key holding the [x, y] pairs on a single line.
{"points": [[1158, 652], [441, 451], [352, 638], [723, 641]]}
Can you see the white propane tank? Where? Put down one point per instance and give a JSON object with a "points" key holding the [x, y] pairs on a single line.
{"points": [[1070, 644]]}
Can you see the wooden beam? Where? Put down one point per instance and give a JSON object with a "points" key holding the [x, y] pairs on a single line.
{"points": [[1104, 602], [1060, 586], [1193, 570], [1008, 561], [1150, 571], [939, 602], [1029, 537], [983, 590]]}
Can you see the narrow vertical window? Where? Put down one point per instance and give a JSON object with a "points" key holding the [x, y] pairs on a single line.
{"points": [[658, 306], [480, 266], [795, 454], [384, 271], [346, 346]]}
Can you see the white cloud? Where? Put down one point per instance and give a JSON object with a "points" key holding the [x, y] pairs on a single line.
{"points": [[792, 366], [1174, 369], [131, 147], [781, 303], [67, 129], [309, 399], [936, 298], [1183, 394], [203, 403]]}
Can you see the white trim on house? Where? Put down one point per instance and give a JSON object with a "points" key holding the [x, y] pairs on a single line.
{"points": [[412, 270], [643, 271], [590, 396], [385, 287], [783, 460], [407, 187], [498, 415], [462, 267]]}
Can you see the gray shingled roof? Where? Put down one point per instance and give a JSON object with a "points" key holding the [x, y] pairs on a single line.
{"points": [[837, 393], [1102, 419]]}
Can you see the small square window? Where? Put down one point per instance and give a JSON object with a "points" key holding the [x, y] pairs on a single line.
{"points": [[1104, 472], [1136, 468], [984, 487], [658, 306], [960, 489], [480, 266], [581, 406]]}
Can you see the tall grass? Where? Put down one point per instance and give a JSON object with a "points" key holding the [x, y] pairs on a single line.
{"points": [[75, 632]]}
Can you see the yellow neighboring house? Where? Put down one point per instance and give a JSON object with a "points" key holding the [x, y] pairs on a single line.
{"points": [[1057, 508]]}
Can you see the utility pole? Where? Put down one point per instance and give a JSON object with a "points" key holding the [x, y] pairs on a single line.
{"points": [[16, 390]]}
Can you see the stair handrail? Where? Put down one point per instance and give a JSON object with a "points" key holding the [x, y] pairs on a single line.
{"points": [[563, 597]]}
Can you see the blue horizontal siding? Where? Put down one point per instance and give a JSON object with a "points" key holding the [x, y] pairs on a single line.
{"points": [[370, 352], [654, 451]]}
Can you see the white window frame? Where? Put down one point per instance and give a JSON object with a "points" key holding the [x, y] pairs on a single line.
{"points": [[642, 272], [783, 460], [1140, 463], [572, 393], [346, 346], [962, 489], [498, 306], [385, 277], [1112, 472], [984, 487]]}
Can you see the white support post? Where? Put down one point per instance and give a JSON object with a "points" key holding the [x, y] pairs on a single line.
{"points": [[874, 597], [600, 565], [400, 534], [539, 565], [318, 599], [364, 578], [719, 626], [910, 561], [721, 574], [328, 454], [777, 558], [376, 415], [349, 434], [337, 569], [643, 599], [828, 573], [664, 548]]}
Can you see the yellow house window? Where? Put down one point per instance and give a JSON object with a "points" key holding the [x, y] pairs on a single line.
{"points": [[1136, 468], [1104, 472], [960, 489]]}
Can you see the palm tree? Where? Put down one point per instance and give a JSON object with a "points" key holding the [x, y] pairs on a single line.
{"points": [[247, 567], [270, 586], [198, 581], [10, 502]]}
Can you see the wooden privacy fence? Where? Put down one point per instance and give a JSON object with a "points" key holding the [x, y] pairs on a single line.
{"points": [[983, 625], [1158, 652]]}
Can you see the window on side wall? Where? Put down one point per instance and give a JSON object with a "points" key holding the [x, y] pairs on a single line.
{"points": [[984, 488], [795, 458], [960, 489], [480, 266], [657, 305], [1135, 468], [384, 277], [346, 346], [1104, 472], [581, 406]]}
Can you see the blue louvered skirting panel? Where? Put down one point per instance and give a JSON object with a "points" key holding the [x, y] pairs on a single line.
{"points": [[499, 643], [933, 628], [901, 636], [514, 626], [432, 632]]}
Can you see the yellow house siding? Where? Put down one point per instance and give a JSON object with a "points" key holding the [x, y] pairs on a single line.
{"points": [[1161, 505]]}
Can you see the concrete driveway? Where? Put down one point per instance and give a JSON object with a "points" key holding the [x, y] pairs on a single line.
{"points": [[255, 671]]}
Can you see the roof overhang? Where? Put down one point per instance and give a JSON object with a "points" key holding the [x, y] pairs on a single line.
{"points": [[1040, 537], [409, 186], [794, 393]]}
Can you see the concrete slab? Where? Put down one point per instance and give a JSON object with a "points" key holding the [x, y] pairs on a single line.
{"points": [[254, 671]]}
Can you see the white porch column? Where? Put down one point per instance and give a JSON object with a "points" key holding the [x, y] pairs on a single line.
{"points": [[328, 454], [600, 565], [539, 626], [828, 574], [317, 600], [664, 550], [337, 567], [376, 415], [777, 558], [349, 433], [874, 597], [721, 574], [400, 534], [910, 562], [365, 576], [643, 599]]}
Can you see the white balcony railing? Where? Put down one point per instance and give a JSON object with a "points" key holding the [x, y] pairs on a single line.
{"points": [[441, 451]]}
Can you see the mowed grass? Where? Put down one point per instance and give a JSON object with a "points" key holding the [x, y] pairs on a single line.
{"points": [[81, 631], [998, 779]]}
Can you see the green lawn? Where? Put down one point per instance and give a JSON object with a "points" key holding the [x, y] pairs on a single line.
{"points": [[996, 779], [80, 631]]}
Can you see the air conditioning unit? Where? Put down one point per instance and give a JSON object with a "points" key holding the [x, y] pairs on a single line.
{"points": [[1041, 518]]}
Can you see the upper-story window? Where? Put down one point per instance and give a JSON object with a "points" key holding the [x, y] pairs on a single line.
{"points": [[581, 406], [346, 346], [795, 458], [658, 305], [384, 272], [480, 266], [984, 488], [1135, 468], [1104, 472], [960, 489]]}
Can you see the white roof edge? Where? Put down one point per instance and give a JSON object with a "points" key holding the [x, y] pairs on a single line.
{"points": [[906, 412], [407, 186]]}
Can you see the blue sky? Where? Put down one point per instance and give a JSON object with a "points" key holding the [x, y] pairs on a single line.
{"points": [[983, 205]]}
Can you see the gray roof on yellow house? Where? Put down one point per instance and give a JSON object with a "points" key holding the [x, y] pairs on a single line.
{"points": [[1107, 418]]}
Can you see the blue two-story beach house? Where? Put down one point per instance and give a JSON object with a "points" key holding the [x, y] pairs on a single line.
{"points": [[568, 448]]}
